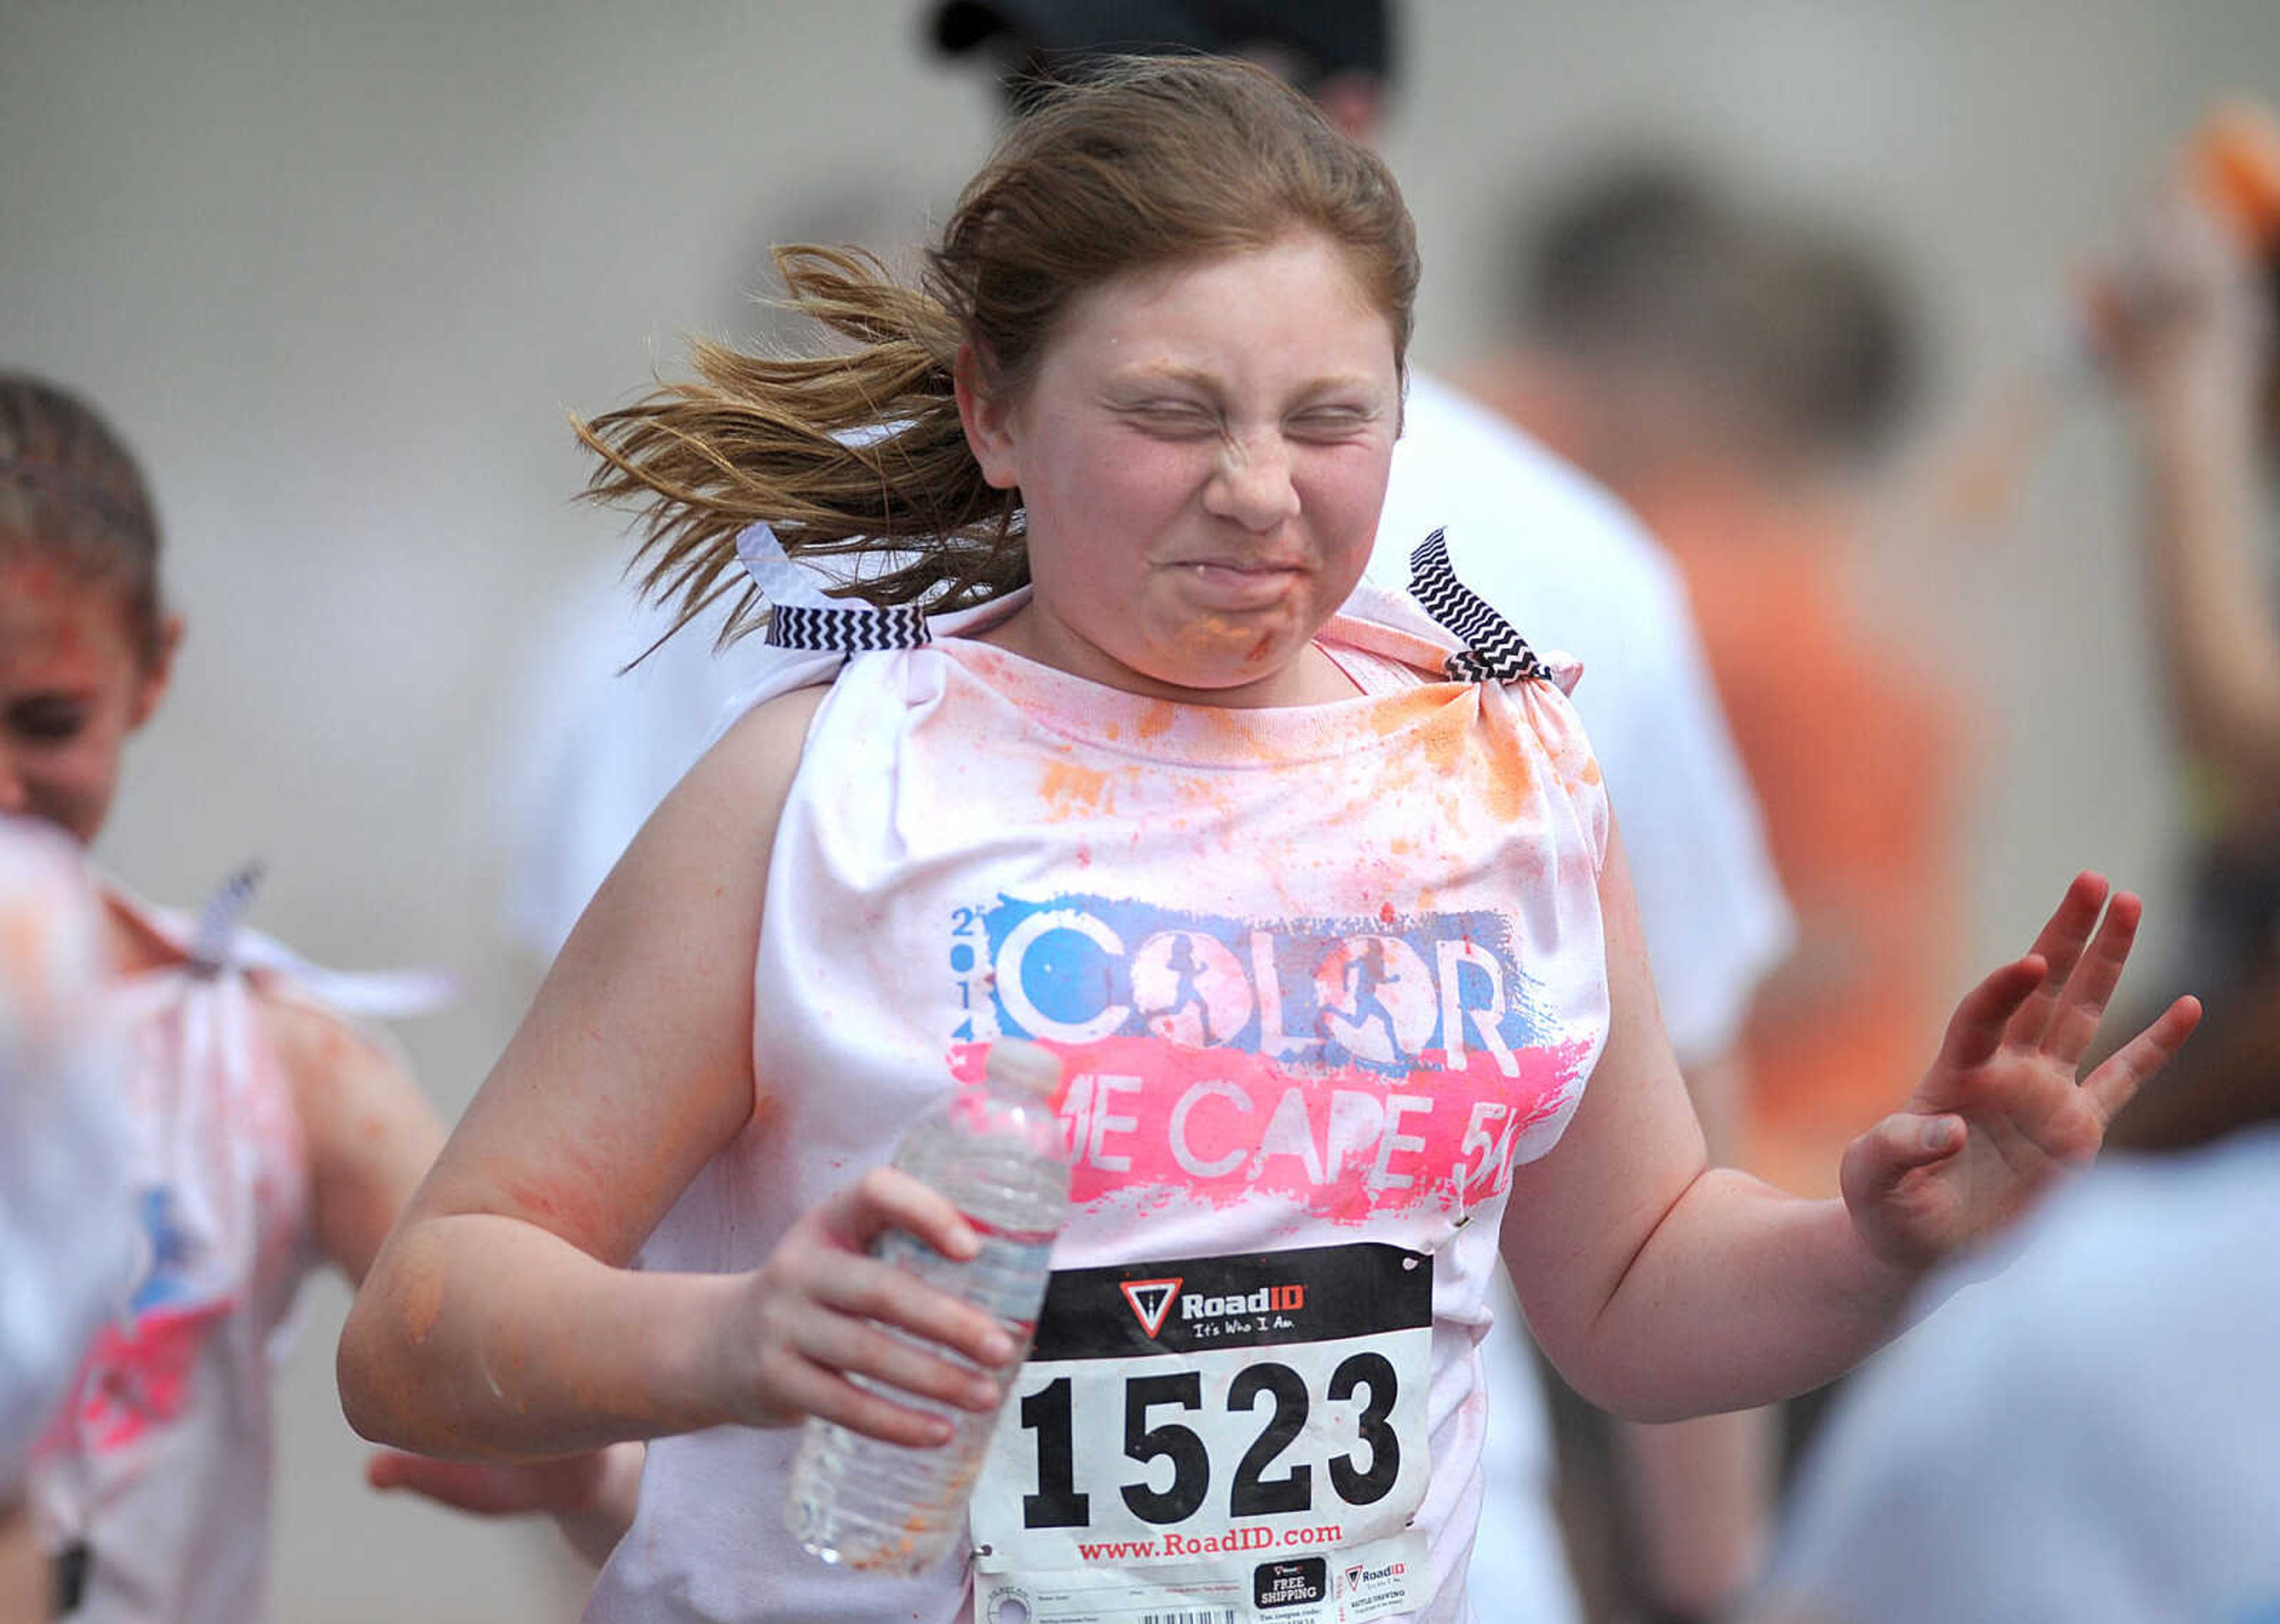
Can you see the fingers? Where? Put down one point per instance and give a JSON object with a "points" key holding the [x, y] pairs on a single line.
{"points": [[2091, 986], [887, 1198], [1876, 1162], [849, 1350], [2129, 1067], [854, 1338], [2058, 944], [881, 1317], [802, 1388], [1984, 1020]]}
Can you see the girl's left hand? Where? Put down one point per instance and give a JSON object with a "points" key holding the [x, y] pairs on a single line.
{"points": [[2003, 1109]]}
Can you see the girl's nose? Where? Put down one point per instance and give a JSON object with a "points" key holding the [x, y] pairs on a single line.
{"points": [[1251, 484]]}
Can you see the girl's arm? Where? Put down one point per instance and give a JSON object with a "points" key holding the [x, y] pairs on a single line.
{"points": [[501, 1321], [591, 1496], [1664, 1288], [369, 1133], [2188, 330]]}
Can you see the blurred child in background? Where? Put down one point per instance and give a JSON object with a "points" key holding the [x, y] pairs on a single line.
{"points": [[267, 1135], [1731, 374], [67, 1235], [2096, 1441]]}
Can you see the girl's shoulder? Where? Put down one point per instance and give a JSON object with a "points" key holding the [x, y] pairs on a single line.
{"points": [[746, 773]]}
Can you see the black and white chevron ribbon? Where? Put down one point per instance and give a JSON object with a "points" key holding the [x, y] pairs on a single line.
{"points": [[846, 628], [1493, 651]]}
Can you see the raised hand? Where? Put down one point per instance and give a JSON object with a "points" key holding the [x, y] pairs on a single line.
{"points": [[2004, 1107]]}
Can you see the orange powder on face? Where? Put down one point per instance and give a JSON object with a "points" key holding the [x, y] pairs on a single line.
{"points": [[1215, 637]]}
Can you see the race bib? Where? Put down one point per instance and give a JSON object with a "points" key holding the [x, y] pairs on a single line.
{"points": [[1233, 1440]]}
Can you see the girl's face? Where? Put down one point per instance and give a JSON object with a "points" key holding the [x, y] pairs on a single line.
{"points": [[1201, 454], [74, 684]]}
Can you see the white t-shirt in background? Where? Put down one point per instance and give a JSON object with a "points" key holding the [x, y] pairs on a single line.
{"points": [[2092, 1438]]}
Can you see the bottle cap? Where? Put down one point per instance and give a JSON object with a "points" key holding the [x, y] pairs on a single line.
{"points": [[1026, 1066]]}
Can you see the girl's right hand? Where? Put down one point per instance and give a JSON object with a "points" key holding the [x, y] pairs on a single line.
{"points": [[821, 1310]]}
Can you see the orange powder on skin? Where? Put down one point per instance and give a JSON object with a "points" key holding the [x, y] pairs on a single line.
{"points": [[1215, 637], [421, 1298]]}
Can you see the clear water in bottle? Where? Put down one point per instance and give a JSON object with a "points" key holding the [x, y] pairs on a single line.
{"points": [[996, 1152]]}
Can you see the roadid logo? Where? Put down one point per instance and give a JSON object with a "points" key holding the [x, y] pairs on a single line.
{"points": [[1236, 1305], [1360, 1574], [1150, 1301]]}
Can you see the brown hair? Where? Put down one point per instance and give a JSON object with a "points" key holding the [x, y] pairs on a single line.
{"points": [[70, 490], [1150, 162]]}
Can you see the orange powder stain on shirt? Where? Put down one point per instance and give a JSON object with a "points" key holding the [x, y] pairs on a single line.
{"points": [[1156, 719], [1072, 791], [1509, 782], [1443, 743], [1405, 709]]}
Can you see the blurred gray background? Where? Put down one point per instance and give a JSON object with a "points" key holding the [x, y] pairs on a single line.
{"points": [[337, 271]]}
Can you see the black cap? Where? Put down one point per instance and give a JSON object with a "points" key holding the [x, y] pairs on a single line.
{"points": [[1333, 36]]}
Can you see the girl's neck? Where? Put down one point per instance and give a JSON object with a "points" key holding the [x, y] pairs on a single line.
{"points": [[131, 947]]}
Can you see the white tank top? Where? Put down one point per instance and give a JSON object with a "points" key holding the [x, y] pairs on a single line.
{"points": [[157, 1471], [67, 1239], [1321, 975]]}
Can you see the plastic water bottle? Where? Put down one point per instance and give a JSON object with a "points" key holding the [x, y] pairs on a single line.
{"points": [[997, 1153]]}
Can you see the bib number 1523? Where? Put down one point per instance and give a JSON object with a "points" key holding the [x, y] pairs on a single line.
{"points": [[1247, 1408]]}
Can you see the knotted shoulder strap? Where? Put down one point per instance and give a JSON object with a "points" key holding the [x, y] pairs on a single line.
{"points": [[1493, 651], [802, 616]]}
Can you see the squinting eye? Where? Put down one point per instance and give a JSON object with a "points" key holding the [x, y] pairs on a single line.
{"points": [[1172, 417]]}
